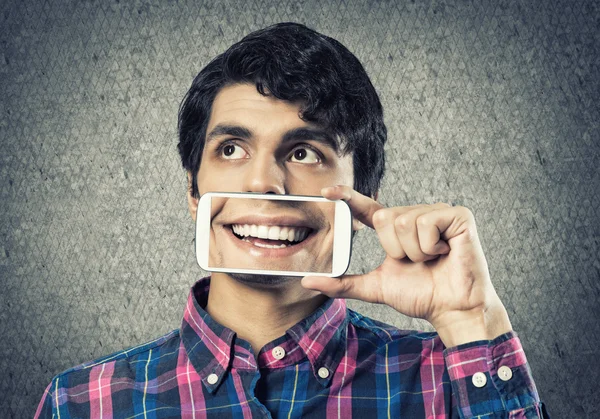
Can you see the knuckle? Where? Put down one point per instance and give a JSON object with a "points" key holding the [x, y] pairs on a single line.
{"points": [[466, 213], [402, 223], [382, 217], [424, 221]]}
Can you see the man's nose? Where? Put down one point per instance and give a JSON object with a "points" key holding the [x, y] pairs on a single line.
{"points": [[264, 175]]}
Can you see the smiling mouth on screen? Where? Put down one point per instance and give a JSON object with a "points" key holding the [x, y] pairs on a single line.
{"points": [[270, 240]]}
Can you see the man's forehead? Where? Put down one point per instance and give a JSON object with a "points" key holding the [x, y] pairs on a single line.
{"points": [[239, 110], [246, 98]]}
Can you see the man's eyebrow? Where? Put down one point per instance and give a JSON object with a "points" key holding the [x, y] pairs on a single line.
{"points": [[315, 134], [296, 134], [226, 129]]}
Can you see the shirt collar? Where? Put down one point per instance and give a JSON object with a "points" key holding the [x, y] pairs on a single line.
{"points": [[320, 337]]}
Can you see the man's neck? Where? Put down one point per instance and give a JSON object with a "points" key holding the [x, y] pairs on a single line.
{"points": [[259, 314]]}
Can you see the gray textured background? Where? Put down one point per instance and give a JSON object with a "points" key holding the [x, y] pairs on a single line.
{"points": [[493, 105]]}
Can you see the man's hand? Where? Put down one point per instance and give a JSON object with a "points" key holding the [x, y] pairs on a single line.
{"points": [[435, 268]]}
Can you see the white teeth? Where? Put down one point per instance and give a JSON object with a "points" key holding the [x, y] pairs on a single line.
{"points": [[267, 246], [283, 234], [270, 246], [263, 232], [274, 233], [292, 234]]}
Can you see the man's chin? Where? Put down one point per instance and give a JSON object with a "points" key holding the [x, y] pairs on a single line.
{"points": [[265, 281]]}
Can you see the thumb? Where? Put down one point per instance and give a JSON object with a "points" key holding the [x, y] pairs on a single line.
{"points": [[358, 287]]}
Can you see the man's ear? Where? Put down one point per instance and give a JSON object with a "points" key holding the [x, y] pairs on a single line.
{"points": [[192, 202]]}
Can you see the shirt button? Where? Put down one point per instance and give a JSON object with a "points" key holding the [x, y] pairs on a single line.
{"points": [[278, 352], [505, 373], [212, 379], [323, 372], [479, 379]]}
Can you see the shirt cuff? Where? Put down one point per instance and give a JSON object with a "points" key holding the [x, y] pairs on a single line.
{"points": [[493, 379]]}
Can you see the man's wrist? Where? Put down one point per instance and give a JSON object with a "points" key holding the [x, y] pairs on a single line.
{"points": [[461, 328]]}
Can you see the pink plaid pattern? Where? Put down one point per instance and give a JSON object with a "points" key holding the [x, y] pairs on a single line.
{"points": [[336, 363], [463, 363]]}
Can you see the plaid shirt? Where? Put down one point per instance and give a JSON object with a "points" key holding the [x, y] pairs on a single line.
{"points": [[335, 363]]}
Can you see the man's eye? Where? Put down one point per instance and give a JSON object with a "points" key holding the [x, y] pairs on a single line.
{"points": [[304, 155], [232, 151]]}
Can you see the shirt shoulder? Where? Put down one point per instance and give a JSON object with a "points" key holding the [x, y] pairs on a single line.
{"points": [[386, 333], [169, 341], [73, 387]]}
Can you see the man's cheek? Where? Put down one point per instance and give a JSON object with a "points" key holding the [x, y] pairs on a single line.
{"points": [[217, 205], [213, 252]]}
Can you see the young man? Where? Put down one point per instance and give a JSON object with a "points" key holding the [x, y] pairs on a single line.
{"points": [[290, 111]]}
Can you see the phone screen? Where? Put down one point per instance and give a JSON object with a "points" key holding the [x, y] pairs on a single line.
{"points": [[271, 235]]}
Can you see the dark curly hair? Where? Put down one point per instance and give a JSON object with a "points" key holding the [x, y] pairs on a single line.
{"points": [[294, 63]]}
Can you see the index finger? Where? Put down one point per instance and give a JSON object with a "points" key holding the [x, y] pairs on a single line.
{"points": [[362, 206]]}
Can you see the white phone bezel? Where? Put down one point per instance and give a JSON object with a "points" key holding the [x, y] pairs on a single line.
{"points": [[342, 239]]}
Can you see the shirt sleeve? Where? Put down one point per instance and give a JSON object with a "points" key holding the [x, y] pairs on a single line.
{"points": [[44, 409], [492, 380]]}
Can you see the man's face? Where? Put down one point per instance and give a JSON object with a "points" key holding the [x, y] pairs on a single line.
{"points": [[259, 144]]}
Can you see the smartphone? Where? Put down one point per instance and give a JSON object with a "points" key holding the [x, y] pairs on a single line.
{"points": [[268, 234]]}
